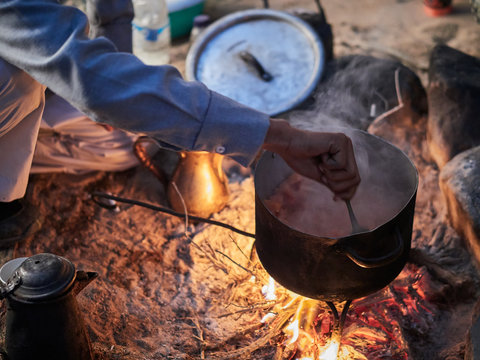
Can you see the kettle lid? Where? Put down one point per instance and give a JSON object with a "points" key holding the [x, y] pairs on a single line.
{"points": [[43, 277]]}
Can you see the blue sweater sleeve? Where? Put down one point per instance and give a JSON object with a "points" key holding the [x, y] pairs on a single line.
{"points": [[49, 41]]}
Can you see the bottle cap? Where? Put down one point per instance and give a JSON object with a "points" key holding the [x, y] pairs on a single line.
{"points": [[201, 20]]}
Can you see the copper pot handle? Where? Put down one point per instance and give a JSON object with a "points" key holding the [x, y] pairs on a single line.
{"points": [[375, 262], [145, 159]]}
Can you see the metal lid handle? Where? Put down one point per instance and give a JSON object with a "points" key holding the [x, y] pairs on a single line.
{"points": [[251, 60], [12, 283]]}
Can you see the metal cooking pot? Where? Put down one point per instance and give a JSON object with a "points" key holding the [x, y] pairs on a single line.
{"points": [[338, 269]]}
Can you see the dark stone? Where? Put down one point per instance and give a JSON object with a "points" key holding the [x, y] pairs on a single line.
{"points": [[352, 84], [460, 185], [476, 9], [472, 345], [454, 103]]}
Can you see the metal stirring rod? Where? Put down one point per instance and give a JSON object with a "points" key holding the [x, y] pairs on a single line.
{"points": [[356, 227]]}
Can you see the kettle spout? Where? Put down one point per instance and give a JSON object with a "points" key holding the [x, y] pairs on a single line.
{"points": [[82, 279]]}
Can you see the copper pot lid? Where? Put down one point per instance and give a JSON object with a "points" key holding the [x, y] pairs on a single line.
{"points": [[265, 59]]}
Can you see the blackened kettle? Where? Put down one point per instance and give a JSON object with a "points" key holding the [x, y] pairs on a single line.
{"points": [[43, 319]]}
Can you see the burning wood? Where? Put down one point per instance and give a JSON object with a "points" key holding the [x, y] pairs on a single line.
{"points": [[373, 327]]}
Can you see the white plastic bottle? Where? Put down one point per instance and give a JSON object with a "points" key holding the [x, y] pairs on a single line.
{"points": [[200, 23], [151, 31]]}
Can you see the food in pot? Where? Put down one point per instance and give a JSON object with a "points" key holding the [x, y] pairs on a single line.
{"points": [[308, 206]]}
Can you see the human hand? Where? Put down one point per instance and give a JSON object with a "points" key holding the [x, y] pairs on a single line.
{"points": [[325, 157]]}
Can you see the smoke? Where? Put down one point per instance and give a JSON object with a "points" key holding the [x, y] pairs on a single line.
{"points": [[356, 90]]}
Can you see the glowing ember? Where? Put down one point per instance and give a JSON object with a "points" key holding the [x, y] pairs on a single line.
{"points": [[373, 326]]}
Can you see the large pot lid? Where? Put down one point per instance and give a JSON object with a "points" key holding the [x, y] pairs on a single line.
{"points": [[228, 57]]}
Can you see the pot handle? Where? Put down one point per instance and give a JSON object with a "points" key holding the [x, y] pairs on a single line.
{"points": [[370, 263], [145, 159], [12, 283]]}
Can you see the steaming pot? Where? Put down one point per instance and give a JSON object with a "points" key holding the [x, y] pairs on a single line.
{"points": [[43, 319], [337, 269]]}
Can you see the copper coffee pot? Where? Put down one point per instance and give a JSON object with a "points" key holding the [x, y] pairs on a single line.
{"points": [[198, 185]]}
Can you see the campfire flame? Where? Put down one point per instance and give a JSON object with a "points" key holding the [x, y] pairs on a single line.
{"points": [[269, 290], [372, 325], [293, 327], [331, 352]]}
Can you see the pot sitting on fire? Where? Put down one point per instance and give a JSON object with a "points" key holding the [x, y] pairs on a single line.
{"points": [[338, 265]]}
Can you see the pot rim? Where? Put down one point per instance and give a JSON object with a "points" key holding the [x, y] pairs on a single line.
{"points": [[336, 239]]}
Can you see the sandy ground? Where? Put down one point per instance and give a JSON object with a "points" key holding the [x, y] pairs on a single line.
{"points": [[163, 295]]}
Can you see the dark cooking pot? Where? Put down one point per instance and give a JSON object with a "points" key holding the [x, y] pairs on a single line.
{"points": [[349, 267]]}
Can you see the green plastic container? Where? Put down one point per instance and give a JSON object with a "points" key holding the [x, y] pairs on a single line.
{"points": [[181, 14]]}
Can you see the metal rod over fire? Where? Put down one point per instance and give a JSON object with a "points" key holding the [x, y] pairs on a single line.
{"points": [[339, 322]]}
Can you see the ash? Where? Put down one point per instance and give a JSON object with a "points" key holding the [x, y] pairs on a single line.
{"points": [[164, 294]]}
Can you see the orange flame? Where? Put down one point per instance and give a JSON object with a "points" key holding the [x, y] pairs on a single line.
{"points": [[331, 352], [372, 324]]}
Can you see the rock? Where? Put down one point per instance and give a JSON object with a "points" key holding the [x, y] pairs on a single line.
{"points": [[460, 185], [472, 346], [357, 89], [453, 101], [476, 9]]}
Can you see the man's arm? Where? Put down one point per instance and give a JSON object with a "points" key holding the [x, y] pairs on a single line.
{"points": [[49, 42]]}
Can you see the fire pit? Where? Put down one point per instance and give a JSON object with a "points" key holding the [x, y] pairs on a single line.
{"points": [[161, 293], [167, 290]]}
